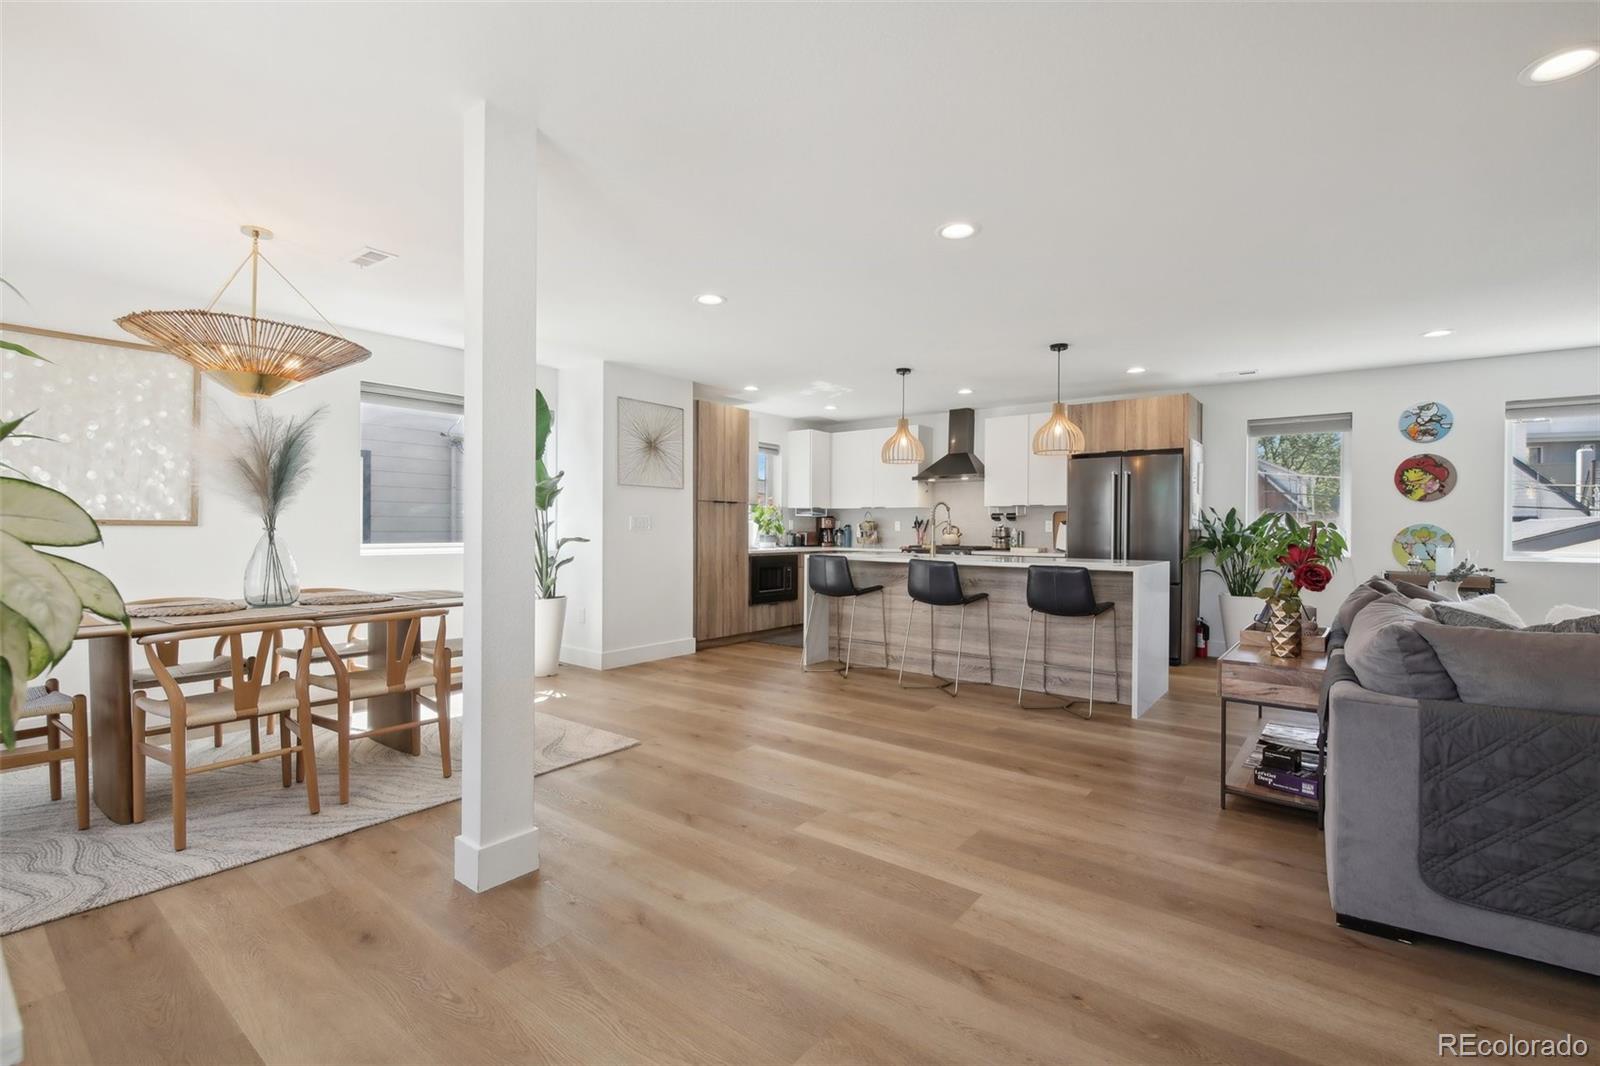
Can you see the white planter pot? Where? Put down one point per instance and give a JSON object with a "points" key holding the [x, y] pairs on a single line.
{"points": [[1237, 614], [549, 620]]}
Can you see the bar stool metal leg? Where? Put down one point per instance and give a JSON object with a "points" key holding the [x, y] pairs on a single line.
{"points": [[988, 637], [851, 640], [961, 638], [1116, 661], [805, 651], [911, 609], [1044, 673], [1022, 678], [883, 608]]}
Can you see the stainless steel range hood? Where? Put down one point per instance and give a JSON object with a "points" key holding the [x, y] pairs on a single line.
{"points": [[961, 462]]}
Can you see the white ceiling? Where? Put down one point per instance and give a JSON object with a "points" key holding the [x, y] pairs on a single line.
{"points": [[1198, 189]]}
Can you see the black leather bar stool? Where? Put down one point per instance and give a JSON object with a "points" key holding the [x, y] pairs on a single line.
{"points": [[1066, 592], [829, 575], [937, 583]]}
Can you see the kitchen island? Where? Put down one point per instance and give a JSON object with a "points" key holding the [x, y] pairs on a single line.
{"points": [[1140, 636]]}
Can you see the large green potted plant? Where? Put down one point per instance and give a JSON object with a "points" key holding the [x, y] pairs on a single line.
{"points": [[1230, 542], [42, 596], [549, 609]]}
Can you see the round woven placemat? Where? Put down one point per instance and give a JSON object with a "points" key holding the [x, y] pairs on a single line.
{"points": [[330, 599], [186, 608]]}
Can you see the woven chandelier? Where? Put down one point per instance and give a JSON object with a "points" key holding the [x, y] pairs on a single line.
{"points": [[1059, 435], [255, 357], [903, 445]]}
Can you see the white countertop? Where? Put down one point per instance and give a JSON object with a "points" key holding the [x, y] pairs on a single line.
{"points": [[1008, 562]]}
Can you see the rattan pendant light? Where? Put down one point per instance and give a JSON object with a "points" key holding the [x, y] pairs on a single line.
{"points": [[903, 445], [256, 357], [1059, 435]]}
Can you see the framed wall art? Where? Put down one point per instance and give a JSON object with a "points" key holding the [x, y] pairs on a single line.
{"points": [[649, 444], [1424, 478], [122, 420]]}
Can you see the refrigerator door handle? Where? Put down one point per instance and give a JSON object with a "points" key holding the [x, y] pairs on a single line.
{"points": [[1126, 517], [1116, 516]]}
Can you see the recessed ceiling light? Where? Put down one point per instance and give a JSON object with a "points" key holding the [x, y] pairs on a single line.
{"points": [[963, 392], [1558, 66], [709, 299], [1136, 370], [957, 231], [830, 407], [1438, 333], [752, 388]]}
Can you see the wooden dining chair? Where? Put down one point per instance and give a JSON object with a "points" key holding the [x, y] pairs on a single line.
{"points": [[213, 670], [41, 717], [254, 693], [400, 669], [351, 646]]}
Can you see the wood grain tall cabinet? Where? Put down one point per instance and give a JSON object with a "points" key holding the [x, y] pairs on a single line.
{"points": [[722, 504]]}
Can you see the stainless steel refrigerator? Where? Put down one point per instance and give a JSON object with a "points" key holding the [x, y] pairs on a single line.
{"points": [[1131, 507]]}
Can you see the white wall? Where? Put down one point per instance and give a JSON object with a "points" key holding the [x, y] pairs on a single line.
{"points": [[631, 589], [1476, 391]]}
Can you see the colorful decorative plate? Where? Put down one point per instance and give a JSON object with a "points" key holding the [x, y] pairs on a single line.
{"points": [[1420, 542], [1425, 477], [1425, 423]]}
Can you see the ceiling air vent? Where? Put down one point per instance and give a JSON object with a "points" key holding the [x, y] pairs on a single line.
{"points": [[367, 257]]}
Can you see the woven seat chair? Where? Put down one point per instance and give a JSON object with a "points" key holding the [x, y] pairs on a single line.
{"points": [[41, 716], [253, 694], [401, 670]]}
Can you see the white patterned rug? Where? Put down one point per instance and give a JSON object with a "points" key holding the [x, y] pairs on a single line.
{"points": [[49, 869]]}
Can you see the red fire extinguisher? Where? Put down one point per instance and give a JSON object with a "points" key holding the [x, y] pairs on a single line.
{"points": [[1202, 639]]}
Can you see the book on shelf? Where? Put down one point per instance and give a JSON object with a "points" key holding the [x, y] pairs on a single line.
{"points": [[1286, 758], [1307, 786]]}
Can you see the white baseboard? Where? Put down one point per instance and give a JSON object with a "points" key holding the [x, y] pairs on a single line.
{"points": [[639, 653], [644, 653], [483, 866]]}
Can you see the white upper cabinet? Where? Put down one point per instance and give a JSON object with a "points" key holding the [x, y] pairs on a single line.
{"points": [[1047, 474], [860, 477], [1005, 461], [894, 484], [1012, 474], [854, 457], [808, 477]]}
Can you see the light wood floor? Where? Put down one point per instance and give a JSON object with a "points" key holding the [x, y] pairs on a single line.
{"points": [[796, 869]]}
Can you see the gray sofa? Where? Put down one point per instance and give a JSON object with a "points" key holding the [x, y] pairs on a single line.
{"points": [[1463, 781]]}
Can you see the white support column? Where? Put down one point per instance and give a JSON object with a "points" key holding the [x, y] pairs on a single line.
{"points": [[498, 838]]}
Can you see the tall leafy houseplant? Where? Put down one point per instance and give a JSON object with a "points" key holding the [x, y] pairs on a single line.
{"points": [[1230, 542], [42, 596], [550, 610], [268, 465], [769, 521]]}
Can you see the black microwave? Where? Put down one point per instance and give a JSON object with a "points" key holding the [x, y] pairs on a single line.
{"points": [[774, 577]]}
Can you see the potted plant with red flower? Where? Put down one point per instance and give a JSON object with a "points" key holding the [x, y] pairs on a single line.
{"points": [[1304, 556]]}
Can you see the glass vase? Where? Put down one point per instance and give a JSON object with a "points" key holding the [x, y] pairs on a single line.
{"points": [[271, 579], [1283, 629]]}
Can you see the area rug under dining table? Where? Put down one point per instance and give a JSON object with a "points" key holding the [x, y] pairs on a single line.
{"points": [[49, 869]]}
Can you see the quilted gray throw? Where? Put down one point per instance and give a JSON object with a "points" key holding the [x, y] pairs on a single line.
{"points": [[1510, 811]]}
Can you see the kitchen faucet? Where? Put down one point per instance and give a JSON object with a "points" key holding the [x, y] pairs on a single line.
{"points": [[933, 525]]}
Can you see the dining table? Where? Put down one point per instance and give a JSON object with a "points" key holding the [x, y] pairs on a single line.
{"points": [[111, 655]]}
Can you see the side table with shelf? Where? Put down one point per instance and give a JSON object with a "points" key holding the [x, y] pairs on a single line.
{"points": [[1254, 675]]}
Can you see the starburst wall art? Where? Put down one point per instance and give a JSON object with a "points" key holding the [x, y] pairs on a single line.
{"points": [[649, 444]]}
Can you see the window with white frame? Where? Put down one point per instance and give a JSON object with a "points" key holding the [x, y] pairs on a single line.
{"points": [[766, 474], [1300, 466], [411, 475], [1552, 484]]}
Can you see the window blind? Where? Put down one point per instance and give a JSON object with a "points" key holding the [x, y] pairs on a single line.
{"points": [[1568, 407], [1277, 427], [412, 399]]}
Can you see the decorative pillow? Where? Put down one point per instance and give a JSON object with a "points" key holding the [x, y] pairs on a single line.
{"points": [[1494, 607], [1454, 614], [1389, 656], [1354, 604], [1422, 607], [1541, 671], [1563, 611], [1422, 592]]}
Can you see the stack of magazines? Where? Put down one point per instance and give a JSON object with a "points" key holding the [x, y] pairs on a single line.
{"points": [[1286, 759]]}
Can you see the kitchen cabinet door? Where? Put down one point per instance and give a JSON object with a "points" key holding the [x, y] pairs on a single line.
{"points": [[1006, 447], [1152, 422], [721, 452], [895, 484], [1047, 474], [1102, 425], [721, 570], [854, 456], [808, 469]]}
